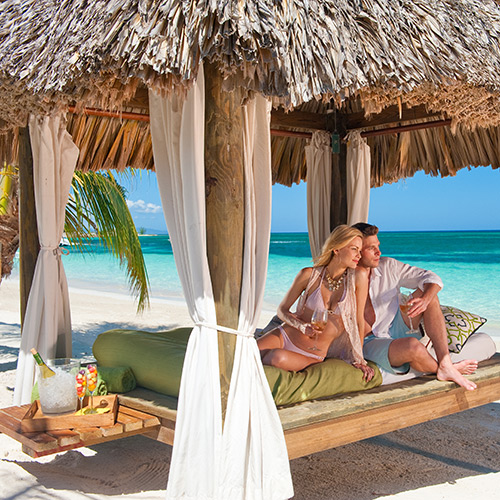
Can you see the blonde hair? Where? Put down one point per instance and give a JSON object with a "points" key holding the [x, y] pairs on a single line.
{"points": [[339, 238]]}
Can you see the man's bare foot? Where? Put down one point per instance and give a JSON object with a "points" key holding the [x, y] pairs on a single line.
{"points": [[453, 372], [466, 367]]}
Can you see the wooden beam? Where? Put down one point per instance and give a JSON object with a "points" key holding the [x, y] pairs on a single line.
{"points": [[387, 116], [338, 203], [29, 245], [406, 128], [225, 210], [112, 114], [290, 133], [299, 119], [312, 121], [322, 436]]}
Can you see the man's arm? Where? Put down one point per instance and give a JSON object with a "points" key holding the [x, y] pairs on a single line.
{"points": [[362, 284], [420, 304], [412, 276]]}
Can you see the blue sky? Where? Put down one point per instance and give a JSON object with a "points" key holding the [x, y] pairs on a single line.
{"points": [[468, 201]]}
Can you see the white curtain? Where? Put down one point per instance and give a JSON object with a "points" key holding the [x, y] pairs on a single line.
{"points": [[47, 322], [248, 460], [358, 178], [319, 186]]}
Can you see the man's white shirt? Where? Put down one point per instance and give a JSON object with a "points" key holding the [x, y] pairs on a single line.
{"points": [[385, 282]]}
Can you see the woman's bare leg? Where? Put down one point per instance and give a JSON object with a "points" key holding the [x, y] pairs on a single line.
{"points": [[287, 360]]}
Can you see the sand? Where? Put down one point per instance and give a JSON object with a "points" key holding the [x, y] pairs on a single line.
{"points": [[456, 457]]}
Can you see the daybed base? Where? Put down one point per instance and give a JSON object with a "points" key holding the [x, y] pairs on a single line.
{"points": [[319, 425], [309, 427]]}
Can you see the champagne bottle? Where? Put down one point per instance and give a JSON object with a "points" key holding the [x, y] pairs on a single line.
{"points": [[45, 371]]}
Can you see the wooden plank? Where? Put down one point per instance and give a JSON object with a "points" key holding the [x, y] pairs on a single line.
{"points": [[88, 433], [129, 423], [48, 451], [147, 419], [65, 437], [355, 427], [164, 433], [150, 402], [311, 412], [112, 430]]}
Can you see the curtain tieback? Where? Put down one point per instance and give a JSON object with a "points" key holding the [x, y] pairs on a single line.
{"points": [[225, 329], [57, 250]]}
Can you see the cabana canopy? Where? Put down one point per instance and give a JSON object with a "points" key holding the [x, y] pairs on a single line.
{"points": [[333, 65], [375, 63]]}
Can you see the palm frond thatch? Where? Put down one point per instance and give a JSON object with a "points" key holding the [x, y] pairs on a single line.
{"points": [[445, 53]]}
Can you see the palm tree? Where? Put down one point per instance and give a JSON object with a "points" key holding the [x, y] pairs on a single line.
{"points": [[9, 219], [97, 207]]}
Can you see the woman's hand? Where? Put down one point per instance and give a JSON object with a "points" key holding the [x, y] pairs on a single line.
{"points": [[310, 331], [368, 371]]}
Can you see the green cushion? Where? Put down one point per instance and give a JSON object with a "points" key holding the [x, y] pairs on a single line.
{"points": [[332, 376], [156, 360], [117, 378]]}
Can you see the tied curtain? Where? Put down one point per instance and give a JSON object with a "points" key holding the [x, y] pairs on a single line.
{"points": [[248, 458], [358, 178], [47, 322], [319, 186]]}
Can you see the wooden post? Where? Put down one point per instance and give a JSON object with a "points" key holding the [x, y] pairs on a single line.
{"points": [[29, 245], [338, 205], [225, 211]]}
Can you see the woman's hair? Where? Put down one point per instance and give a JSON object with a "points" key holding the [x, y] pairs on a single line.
{"points": [[339, 238]]}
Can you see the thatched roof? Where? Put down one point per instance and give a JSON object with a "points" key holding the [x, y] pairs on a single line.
{"points": [[442, 55]]}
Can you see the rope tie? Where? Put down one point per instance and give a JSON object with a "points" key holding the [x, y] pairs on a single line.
{"points": [[56, 250], [225, 329]]}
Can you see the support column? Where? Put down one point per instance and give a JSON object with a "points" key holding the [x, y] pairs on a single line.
{"points": [[29, 245], [225, 211], [338, 205]]}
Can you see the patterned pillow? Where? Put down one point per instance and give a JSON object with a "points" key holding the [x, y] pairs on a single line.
{"points": [[460, 325]]}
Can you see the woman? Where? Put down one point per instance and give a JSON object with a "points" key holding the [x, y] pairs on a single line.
{"points": [[329, 284]]}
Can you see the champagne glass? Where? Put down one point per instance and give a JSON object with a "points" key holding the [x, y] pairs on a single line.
{"points": [[319, 320], [92, 385], [81, 387], [405, 303]]}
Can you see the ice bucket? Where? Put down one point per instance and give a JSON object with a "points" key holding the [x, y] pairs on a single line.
{"points": [[58, 393]]}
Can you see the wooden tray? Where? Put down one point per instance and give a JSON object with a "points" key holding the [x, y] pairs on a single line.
{"points": [[34, 420]]}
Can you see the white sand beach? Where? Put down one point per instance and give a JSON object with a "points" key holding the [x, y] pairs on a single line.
{"points": [[456, 457]]}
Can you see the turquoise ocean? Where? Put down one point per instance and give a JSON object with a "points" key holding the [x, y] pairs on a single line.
{"points": [[467, 261]]}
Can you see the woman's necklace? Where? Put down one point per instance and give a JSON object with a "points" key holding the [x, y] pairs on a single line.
{"points": [[334, 284]]}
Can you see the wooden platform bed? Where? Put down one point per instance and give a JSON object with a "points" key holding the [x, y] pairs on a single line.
{"points": [[314, 426], [310, 427]]}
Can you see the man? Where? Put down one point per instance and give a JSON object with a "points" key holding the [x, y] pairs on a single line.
{"points": [[387, 341]]}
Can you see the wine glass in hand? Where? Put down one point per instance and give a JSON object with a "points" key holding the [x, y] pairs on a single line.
{"points": [[319, 320], [405, 304]]}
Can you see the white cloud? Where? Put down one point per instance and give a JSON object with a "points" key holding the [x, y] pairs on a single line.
{"points": [[140, 206]]}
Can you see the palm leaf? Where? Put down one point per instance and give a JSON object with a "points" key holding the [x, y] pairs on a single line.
{"points": [[97, 206]]}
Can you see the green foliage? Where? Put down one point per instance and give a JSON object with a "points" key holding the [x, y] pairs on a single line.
{"points": [[97, 207], [7, 184]]}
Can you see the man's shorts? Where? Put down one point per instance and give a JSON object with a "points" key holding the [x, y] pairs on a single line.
{"points": [[377, 349]]}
